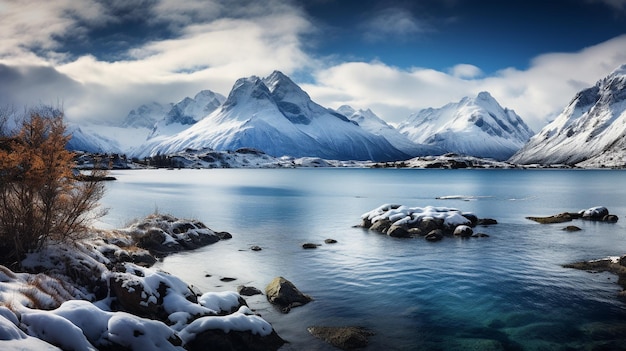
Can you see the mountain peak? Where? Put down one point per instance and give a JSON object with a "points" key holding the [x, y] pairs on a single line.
{"points": [[619, 71], [484, 95]]}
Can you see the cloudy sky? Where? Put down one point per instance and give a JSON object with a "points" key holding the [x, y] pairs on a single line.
{"points": [[98, 59]]}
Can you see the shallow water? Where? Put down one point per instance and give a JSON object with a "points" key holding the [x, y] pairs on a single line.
{"points": [[508, 291]]}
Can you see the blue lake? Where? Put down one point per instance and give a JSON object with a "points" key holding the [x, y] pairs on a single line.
{"points": [[505, 292]]}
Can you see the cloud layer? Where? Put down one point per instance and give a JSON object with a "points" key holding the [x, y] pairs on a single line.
{"points": [[208, 45]]}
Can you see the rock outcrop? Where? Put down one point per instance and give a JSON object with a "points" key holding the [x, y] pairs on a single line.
{"points": [[282, 293], [598, 213], [432, 223], [345, 338]]}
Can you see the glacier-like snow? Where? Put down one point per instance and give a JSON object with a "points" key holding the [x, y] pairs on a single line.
{"points": [[590, 131], [473, 126]]}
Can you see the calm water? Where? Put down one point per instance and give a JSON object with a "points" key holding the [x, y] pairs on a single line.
{"points": [[507, 291]]}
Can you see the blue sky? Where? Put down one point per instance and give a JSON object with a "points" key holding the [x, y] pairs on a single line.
{"points": [[99, 59]]}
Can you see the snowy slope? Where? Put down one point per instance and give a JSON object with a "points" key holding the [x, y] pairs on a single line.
{"points": [[369, 121], [473, 126], [88, 141], [276, 116], [145, 116], [186, 112], [592, 128]]}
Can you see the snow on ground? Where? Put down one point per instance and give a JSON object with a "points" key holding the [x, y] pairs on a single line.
{"points": [[47, 312]]}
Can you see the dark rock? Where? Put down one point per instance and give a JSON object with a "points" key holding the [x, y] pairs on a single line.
{"points": [[224, 235], [622, 261], [345, 338], [434, 235], [248, 290], [255, 248], [397, 231], [416, 232], [595, 213], [429, 224], [227, 279], [610, 218], [572, 228], [480, 235], [285, 295], [217, 339], [330, 241], [487, 221], [365, 223], [143, 258], [463, 231], [559, 218], [309, 246], [381, 226], [472, 218]]}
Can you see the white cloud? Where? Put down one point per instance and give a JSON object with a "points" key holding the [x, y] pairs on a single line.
{"points": [[392, 24], [536, 94], [464, 70]]}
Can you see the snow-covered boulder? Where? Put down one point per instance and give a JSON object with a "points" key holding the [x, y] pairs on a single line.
{"points": [[403, 221]]}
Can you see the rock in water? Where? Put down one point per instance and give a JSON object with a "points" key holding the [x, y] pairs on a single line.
{"points": [[345, 338], [285, 295]]}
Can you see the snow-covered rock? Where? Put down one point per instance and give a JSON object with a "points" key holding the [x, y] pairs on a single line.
{"points": [[369, 121], [590, 131], [473, 126], [276, 116], [145, 116]]}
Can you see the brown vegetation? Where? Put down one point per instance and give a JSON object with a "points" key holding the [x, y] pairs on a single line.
{"points": [[40, 199]]}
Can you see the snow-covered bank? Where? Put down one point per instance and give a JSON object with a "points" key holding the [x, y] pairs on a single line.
{"points": [[98, 293]]}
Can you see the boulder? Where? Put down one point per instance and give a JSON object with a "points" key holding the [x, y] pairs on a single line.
{"points": [[217, 339], [434, 235], [472, 218], [345, 338], [594, 213], [381, 226], [330, 241], [559, 218], [480, 235], [610, 218], [282, 293], [429, 224], [463, 231], [397, 231], [572, 228], [309, 246], [255, 248], [487, 221], [248, 290]]}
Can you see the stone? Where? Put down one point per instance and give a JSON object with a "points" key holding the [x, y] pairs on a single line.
{"points": [[309, 246], [255, 248], [463, 231], [480, 235], [345, 338], [330, 241], [397, 231], [559, 218], [472, 218], [572, 228], [224, 235], [595, 213], [434, 235], [217, 339], [282, 293], [610, 218], [487, 221], [248, 290], [381, 226], [429, 224]]}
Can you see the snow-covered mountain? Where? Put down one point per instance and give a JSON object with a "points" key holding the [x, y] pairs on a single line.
{"points": [[275, 115], [473, 126], [592, 128], [88, 141], [369, 121], [186, 112], [145, 116]]}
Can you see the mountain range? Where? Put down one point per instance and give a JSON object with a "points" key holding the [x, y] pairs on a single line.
{"points": [[590, 130], [276, 116]]}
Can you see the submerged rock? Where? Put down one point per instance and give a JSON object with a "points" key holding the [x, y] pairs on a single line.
{"points": [[282, 293], [615, 265], [598, 213], [345, 338]]}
